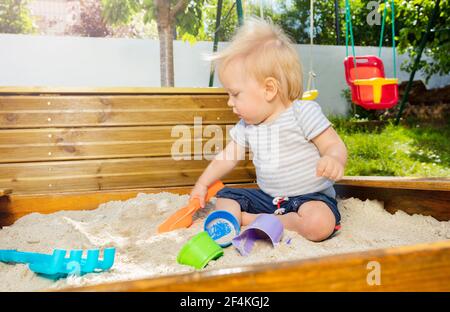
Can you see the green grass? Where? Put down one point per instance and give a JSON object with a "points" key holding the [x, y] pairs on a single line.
{"points": [[416, 150]]}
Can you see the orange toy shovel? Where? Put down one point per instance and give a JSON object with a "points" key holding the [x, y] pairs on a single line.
{"points": [[183, 217]]}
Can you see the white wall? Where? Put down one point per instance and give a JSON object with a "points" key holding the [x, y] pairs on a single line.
{"points": [[118, 62]]}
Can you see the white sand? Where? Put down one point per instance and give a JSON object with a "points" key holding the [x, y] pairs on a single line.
{"points": [[130, 226]]}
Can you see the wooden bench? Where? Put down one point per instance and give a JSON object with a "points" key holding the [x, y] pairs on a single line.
{"points": [[73, 149], [102, 139]]}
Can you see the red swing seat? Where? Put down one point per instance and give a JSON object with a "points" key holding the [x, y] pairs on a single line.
{"points": [[369, 87]]}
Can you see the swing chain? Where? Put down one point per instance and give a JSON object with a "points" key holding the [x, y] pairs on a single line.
{"points": [[349, 28], [311, 76]]}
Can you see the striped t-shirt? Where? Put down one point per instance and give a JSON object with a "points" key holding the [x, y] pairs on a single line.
{"points": [[284, 157]]}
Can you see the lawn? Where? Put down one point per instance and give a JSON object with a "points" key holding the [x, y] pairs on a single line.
{"points": [[389, 150]]}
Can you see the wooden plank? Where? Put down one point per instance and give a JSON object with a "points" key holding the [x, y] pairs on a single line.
{"points": [[59, 176], [121, 180], [424, 267], [99, 118], [119, 102], [25, 145], [85, 111], [411, 183], [108, 90]]}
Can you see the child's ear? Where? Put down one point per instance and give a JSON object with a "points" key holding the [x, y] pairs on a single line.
{"points": [[270, 88]]}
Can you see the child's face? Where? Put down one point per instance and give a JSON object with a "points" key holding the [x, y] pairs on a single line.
{"points": [[247, 96]]}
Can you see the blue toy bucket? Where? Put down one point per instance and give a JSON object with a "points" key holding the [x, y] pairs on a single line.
{"points": [[222, 226]]}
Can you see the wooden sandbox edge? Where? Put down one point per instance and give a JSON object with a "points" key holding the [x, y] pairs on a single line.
{"points": [[424, 267], [423, 196], [17, 90]]}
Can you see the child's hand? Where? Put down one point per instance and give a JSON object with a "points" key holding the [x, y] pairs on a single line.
{"points": [[330, 168], [200, 192]]}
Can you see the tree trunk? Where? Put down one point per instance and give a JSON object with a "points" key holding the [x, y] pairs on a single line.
{"points": [[165, 33], [166, 55], [165, 17]]}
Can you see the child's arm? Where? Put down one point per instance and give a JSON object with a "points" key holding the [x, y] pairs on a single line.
{"points": [[334, 155], [222, 163]]}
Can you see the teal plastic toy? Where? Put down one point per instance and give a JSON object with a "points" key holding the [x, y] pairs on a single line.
{"points": [[57, 265]]}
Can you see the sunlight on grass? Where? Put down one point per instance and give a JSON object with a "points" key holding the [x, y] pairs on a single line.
{"points": [[396, 150]]}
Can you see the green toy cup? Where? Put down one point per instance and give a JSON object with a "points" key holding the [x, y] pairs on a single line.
{"points": [[199, 250]]}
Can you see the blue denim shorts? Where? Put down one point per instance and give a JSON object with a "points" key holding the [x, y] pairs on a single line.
{"points": [[256, 201]]}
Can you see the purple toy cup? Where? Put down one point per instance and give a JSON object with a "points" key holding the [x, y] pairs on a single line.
{"points": [[265, 226]]}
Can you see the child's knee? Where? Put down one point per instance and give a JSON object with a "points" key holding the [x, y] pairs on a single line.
{"points": [[229, 205], [318, 231], [317, 221]]}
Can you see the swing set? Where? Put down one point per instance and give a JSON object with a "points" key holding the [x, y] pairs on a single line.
{"points": [[365, 74], [312, 93]]}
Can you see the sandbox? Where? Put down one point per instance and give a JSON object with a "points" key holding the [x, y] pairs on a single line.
{"points": [[67, 150], [130, 227]]}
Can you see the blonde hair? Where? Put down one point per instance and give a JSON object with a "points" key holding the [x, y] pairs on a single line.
{"points": [[267, 52]]}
